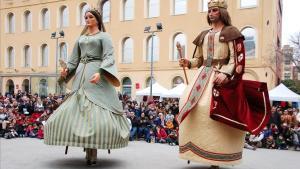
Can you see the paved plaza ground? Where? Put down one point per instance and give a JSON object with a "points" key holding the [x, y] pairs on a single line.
{"points": [[29, 153]]}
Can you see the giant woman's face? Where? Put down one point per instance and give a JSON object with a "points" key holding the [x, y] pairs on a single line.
{"points": [[90, 20]]}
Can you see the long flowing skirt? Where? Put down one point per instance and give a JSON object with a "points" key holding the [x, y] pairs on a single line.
{"points": [[81, 123], [202, 139]]}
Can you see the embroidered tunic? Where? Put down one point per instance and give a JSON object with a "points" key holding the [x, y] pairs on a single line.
{"points": [[202, 139]]}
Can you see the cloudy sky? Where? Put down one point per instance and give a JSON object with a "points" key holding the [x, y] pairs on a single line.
{"points": [[290, 19]]}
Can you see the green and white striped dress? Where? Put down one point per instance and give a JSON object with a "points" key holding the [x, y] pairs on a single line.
{"points": [[92, 117]]}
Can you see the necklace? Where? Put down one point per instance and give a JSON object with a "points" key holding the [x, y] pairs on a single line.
{"points": [[91, 34]]}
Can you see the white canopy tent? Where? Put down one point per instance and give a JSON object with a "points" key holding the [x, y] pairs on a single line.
{"points": [[157, 90], [176, 92], [282, 93]]}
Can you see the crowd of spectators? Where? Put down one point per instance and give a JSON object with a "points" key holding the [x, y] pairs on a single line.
{"points": [[282, 131], [24, 115], [153, 122]]}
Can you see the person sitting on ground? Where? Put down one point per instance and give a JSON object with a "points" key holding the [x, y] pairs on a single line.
{"points": [[270, 143], [287, 134], [248, 146], [160, 120], [169, 126], [10, 132], [266, 132], [143, 131], [172, 138], [286, 117], [38, 106], [152, 136], [29, 131], [255, 140], [135, 124], [275, 130], [3, 118], [298, 118], [280, 143], [40, 132], [296, 137], [161, 134], [169, 116]]}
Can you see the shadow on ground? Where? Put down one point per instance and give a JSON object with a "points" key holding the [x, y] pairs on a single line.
{"points": [[201, 167], [79, 163]]}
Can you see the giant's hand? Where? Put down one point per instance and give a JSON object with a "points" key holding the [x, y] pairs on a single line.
{"points": [[64, 72], [95, 78], [220, 78], [184, 62]]}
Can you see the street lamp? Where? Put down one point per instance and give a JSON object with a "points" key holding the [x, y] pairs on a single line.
{"points": [[61, 34], [147, 29]]}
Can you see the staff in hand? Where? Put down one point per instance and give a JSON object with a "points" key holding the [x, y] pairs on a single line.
{"points": [[179, 49]]}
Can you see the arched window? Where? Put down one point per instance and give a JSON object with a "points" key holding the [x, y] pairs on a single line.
{"points": [[10, 86], [45, 19], [27, 21], [128, 10], [180, 7], [148, 81], [63, 51], [155, 48], [127, 50], [204, 5], [248, 3], [83, 8], [10, 57], [250, 41], [27, 56], [126, 86], [105, 8], [153, 8], [25, 85], [11, 23], [177, 80], [45, 53], [64, 16], [179, 37], [43, 87]]}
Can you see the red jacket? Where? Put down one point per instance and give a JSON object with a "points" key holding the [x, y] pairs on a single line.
{"points": [[161, 134]]}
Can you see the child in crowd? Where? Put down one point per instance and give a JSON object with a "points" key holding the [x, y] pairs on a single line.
{"points": [[270, 143]]}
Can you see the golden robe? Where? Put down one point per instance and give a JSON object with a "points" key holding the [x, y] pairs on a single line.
{"points": [[202, 139]]}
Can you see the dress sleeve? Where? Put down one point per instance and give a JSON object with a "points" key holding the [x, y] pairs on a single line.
{"points": [[74, 59], [108, 67], [229, 68], [197, 59]]}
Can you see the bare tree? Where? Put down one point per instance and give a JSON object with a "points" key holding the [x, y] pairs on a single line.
{"points": [[295, 55]]}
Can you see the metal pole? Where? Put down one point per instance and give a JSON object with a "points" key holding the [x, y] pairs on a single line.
{"points": [[56, 65], [151, 68], [30, 84]]}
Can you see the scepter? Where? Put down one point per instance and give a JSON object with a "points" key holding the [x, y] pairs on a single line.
{"points": [[179, 49]]}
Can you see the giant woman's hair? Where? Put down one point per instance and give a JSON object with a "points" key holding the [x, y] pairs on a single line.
{"points": [[98, 17]]}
